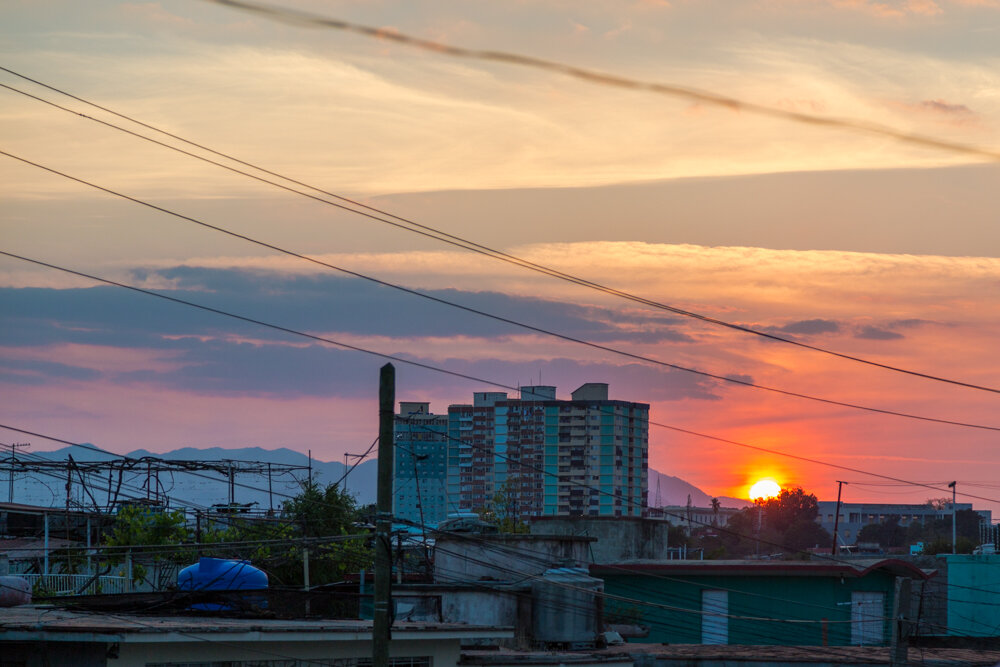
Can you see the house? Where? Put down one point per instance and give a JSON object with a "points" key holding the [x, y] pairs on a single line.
{"points": [[804, 603], [36, 636]]}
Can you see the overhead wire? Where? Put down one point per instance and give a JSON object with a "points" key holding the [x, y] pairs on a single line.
{"points": [[436, 368], [823, 557], [451, 239], [839, 560], [446, 302]]}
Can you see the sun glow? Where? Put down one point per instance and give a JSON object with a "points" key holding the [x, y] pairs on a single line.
{"points": [[764, 489]]}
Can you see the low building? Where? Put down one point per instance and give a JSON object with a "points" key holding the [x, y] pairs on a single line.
{"points": [[803, 603], [855, 516], [694, 518], [617, 538], [36, 636]]}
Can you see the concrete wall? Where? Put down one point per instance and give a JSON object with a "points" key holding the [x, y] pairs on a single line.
{"points": [[618, 538], [444, 653], [45, 654], [974, 595], [464, 558]]}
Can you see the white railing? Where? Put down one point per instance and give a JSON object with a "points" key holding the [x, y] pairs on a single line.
{"points": [[70, 584]]}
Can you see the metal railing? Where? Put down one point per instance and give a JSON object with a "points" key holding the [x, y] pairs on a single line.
{"points": [[71, 584]]}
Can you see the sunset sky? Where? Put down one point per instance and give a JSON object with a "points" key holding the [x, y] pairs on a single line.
{"points": [[847, 240]]}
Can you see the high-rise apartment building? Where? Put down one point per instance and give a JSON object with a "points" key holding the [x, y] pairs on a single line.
{"points": [[420, 465], [535, 455], [543, 456]]}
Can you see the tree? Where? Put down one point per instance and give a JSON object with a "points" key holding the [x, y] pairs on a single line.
{"points": [[888, 534], [502, 509], [316, 512], [144, 528], [785, 523]]}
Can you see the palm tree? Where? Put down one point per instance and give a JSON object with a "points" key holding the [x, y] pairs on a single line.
{"points": [[716, 505]]}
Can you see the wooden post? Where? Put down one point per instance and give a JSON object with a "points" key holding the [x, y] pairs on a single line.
{"points": [[383, 518], [899, 643]]}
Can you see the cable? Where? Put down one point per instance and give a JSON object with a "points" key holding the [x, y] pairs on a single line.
{"points": [[447, 238], [357, 461], [529, 327], [822, 557]]}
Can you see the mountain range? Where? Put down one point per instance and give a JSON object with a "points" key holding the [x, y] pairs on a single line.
{"points": [[205, 488]]}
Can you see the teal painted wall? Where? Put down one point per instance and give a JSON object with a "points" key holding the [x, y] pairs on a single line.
{"points": [[974, 595], [675, 600]]}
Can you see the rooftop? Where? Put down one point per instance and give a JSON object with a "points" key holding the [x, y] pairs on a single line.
{"points": [[43, 622], [797, 568]]}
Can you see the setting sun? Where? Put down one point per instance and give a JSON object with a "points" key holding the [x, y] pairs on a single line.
{"points": [[764, 489]]}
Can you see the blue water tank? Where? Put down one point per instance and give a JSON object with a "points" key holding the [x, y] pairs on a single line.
{"points": [[218, 574]]}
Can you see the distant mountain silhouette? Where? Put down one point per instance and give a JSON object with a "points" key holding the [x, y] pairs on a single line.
{"points": [[675, 491], [206, 488]]}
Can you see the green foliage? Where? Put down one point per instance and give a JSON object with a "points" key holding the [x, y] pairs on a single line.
{"points": [[273, 544], [136, 525], [502, 509], [145, 528], [316, 512], [785, 523]]}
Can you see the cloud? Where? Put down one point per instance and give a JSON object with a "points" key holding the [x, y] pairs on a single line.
{"points": [[893, 9], [810, 327], [945, 107], [869, 332]]}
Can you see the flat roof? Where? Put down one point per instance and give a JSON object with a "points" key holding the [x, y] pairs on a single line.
{"points": [[795, 568], [46, 623], [688, 654]]}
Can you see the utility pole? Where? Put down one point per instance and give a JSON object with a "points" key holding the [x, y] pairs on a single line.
{"points": [[13, 459], [901, 624], [356, 457], [954, 526], [836, 520], [383, 517]]}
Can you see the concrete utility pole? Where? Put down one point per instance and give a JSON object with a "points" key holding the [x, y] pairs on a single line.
{"points": [[383, 517], [901, 624], [836, 519], [954, 527]]}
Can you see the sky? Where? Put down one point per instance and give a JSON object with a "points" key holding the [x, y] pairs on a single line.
{"points": [[844, 239]]}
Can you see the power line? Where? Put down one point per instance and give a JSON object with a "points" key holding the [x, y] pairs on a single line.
{"points": [[469, 309], [823, 557], [451, 239], [437, 369]]}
